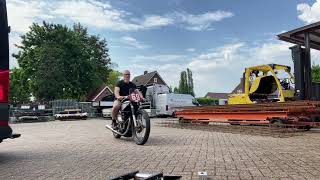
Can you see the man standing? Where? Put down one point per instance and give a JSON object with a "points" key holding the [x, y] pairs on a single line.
{"points": [[121, 91]]}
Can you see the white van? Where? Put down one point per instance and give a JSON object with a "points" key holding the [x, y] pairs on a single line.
{"points": [[166, 103]]}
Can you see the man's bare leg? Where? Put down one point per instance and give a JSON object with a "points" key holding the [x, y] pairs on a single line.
{"points": [[115, 110]]}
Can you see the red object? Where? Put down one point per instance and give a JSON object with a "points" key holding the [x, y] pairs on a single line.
{"points": [[4, 86], [4, 123], [295, 112], [135, 97]]}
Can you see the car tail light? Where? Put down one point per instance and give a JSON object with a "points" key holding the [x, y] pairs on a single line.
{"points": [[4, 86], [4, 123]]}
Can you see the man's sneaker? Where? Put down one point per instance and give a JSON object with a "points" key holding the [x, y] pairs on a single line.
{"points": [[114, 125]]}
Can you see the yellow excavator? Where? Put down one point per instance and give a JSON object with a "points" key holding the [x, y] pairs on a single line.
{"points": [[265, 83]]}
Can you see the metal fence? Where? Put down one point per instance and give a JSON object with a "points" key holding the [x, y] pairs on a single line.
{"points": [[54, 107], [63, 104], [88, 108]]}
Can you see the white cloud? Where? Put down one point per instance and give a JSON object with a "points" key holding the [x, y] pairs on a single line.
{"points": [[270, 52], [315, 56], [14, 39], [94, 13], [201, 22], [309, 14], [218, 70], [21, 14], [132, 42], [158, 58], [104, 15], [191, 49], [156, 21], [219, 57]]}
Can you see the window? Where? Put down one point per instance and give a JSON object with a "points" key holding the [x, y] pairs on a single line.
{"points": [[155, 80]]}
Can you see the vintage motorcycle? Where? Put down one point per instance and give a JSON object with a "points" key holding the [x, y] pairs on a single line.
{"points": [[132, 120]]}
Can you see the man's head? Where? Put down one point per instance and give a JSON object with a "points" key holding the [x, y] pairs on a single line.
{"points": [[126, 76]]}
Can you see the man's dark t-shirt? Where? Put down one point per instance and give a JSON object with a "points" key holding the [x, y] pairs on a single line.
{"points": [[125, 87]]}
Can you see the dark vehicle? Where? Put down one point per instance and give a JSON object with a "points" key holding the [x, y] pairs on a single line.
{"points": [[133, 120], [5, 129]]}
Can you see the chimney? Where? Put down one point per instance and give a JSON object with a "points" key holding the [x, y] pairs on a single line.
{"points": [[145, 72]]}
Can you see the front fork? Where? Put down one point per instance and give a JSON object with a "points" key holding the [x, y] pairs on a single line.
{"points": [[133, 116]]}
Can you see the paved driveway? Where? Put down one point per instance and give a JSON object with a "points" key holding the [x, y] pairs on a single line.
{"points": [[86, 150]]}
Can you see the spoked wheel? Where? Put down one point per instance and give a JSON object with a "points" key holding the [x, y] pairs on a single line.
{"points": [[142, 131]]}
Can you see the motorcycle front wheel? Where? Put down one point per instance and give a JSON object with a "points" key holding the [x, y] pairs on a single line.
{"points": [[142, 131]]}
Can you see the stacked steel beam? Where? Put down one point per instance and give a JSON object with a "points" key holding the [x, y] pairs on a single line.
{"points": [[294, 112]]}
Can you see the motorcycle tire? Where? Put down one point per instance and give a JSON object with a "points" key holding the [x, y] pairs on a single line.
{"points": [[143, 140]]}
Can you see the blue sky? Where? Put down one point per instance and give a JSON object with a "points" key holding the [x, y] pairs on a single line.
{"points": [[215, 39]]}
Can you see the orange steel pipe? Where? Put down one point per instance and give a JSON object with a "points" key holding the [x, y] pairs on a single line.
{"points": [[233, 115]]}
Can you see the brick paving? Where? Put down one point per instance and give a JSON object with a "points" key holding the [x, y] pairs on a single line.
{"points": [[86, 150]]}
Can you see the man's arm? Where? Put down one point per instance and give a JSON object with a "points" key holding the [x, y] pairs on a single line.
{"points": [[117, 93]]}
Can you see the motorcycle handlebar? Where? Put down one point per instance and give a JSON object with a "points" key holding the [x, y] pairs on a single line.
{"points": [[124, 99]]}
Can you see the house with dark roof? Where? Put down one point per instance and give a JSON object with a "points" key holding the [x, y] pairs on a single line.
{"points": [[217, 95], [100, 93], [239, 89], [148, 79]]}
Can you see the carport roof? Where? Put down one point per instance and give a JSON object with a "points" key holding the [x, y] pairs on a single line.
{"points": [[297, 36]]}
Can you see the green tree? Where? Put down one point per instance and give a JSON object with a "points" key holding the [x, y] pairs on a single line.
{"points": [[62, 62], [185, 83], [190, 82], [18, 91], [113, 78], [175, 90], [316, 73]]}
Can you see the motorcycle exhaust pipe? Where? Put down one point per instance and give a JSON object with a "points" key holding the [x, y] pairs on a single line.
{"points": [[111, 129], [121, 134]]}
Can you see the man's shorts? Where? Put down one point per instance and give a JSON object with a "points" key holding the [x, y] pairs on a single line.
{"points": [[116, 103]]}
